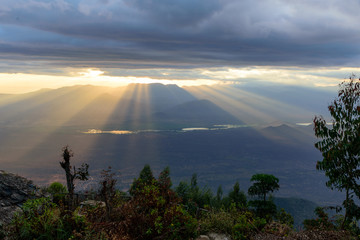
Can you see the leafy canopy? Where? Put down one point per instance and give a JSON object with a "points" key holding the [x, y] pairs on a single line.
{"points": [[340, 144], [263, 184]]}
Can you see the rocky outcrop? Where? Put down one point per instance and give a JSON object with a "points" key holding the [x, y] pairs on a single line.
{"points": [[14, 191], [213, 236]]}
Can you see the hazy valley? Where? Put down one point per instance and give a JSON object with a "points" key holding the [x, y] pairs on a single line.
{"points": [[244, 130]]}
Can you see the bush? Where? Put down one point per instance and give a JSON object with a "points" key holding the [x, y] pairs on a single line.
{"points": [[193, 197], [240, 224], [247, 225], [220, 221], [321, 222], [56, 187], [285, 218], [153, 212], [42, 219]]}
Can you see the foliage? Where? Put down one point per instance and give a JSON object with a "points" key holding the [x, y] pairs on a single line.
{"points": [[153, 212], [193, 197], [219, 221], [263, 209], [246, 225], [237, 197], [107, 189], [340, 145], [240, 224], [322, 221], [263, 185], [42, 219], [285, 218], [145, 177], [164, 179], [279, 229], [56, 188], [58, 192]]}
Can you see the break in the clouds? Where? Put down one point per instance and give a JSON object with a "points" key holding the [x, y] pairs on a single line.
{"points": [[179, 39]]}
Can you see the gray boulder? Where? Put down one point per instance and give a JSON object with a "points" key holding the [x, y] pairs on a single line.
{"points": [[14, 191]]}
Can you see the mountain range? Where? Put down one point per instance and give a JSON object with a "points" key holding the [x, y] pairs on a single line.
{"points": [[223, 133]]}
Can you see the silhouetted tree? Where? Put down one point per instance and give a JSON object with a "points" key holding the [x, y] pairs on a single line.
{"points": [[262, 186], [72, 174], [340, 145]]}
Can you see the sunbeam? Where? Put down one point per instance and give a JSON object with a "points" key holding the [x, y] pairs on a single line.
{"points": [[237, 108], [249, 107]]}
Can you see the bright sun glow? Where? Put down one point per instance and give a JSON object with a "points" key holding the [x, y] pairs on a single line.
{"points": [[27, 82], [92, 73]]}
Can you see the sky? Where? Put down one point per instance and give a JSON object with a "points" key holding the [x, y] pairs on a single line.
{"points": [[54, 43]]}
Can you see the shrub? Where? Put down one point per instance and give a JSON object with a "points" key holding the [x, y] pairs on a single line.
{"points": [[56, 187], [240, 224], [277, 228], [193, 197], [247, 225], [321, 222], [285, 218], [42, 219], [220, 221], [153, 212]]}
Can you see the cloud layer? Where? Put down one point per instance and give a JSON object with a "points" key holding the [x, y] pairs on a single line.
{"points": [[182, 34]]}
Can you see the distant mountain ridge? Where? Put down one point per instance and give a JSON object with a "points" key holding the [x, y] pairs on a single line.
{"points": [[99, 106], [203, 111], [35, 126]]}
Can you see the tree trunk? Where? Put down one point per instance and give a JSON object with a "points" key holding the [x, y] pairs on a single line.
{"points": [[70, 185], [346, 208]]}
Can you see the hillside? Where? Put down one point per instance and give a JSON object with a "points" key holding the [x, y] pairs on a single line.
{"points": [[197, 112], [232, 146]]}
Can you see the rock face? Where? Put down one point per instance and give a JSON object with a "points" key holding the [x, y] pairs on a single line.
{"points": [[14, 191], [213, 236]]}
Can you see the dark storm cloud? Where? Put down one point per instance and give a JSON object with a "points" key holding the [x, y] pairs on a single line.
{"points": [[180, 33]]}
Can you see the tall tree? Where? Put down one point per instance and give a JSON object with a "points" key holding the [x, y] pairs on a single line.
{"points": [[263, 184], [340, 145], [72, 174]]}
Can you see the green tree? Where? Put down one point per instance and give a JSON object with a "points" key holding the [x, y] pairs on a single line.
{"points": [[262, 186], [146, 177], [153, 212], [194, 197], [238, 197], [164, 179], [340, 145]]}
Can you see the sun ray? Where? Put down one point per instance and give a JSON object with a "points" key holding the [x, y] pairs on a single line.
{"points": [[237, 108], [77, 98], [249, 107]]}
